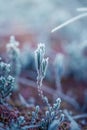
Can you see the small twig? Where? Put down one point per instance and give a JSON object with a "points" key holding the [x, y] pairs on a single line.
{"points": [[69, 21]]}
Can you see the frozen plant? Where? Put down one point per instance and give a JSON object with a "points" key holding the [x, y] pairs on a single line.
{"points": [[53, 117], [6, 81], [41, 66], [41, 63], [52, 113], [14, 58]]}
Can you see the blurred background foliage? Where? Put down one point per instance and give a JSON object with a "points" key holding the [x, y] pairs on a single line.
{"points": [[39, 17], [31, 22]]}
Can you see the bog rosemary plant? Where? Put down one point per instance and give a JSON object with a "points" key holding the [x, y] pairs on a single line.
{"points": [[53, 117], [52, 114], [14, 59], [6, 81], [41, 66]]}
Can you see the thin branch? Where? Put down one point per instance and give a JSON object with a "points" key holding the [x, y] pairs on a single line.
{"points": [[69, 21]]}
